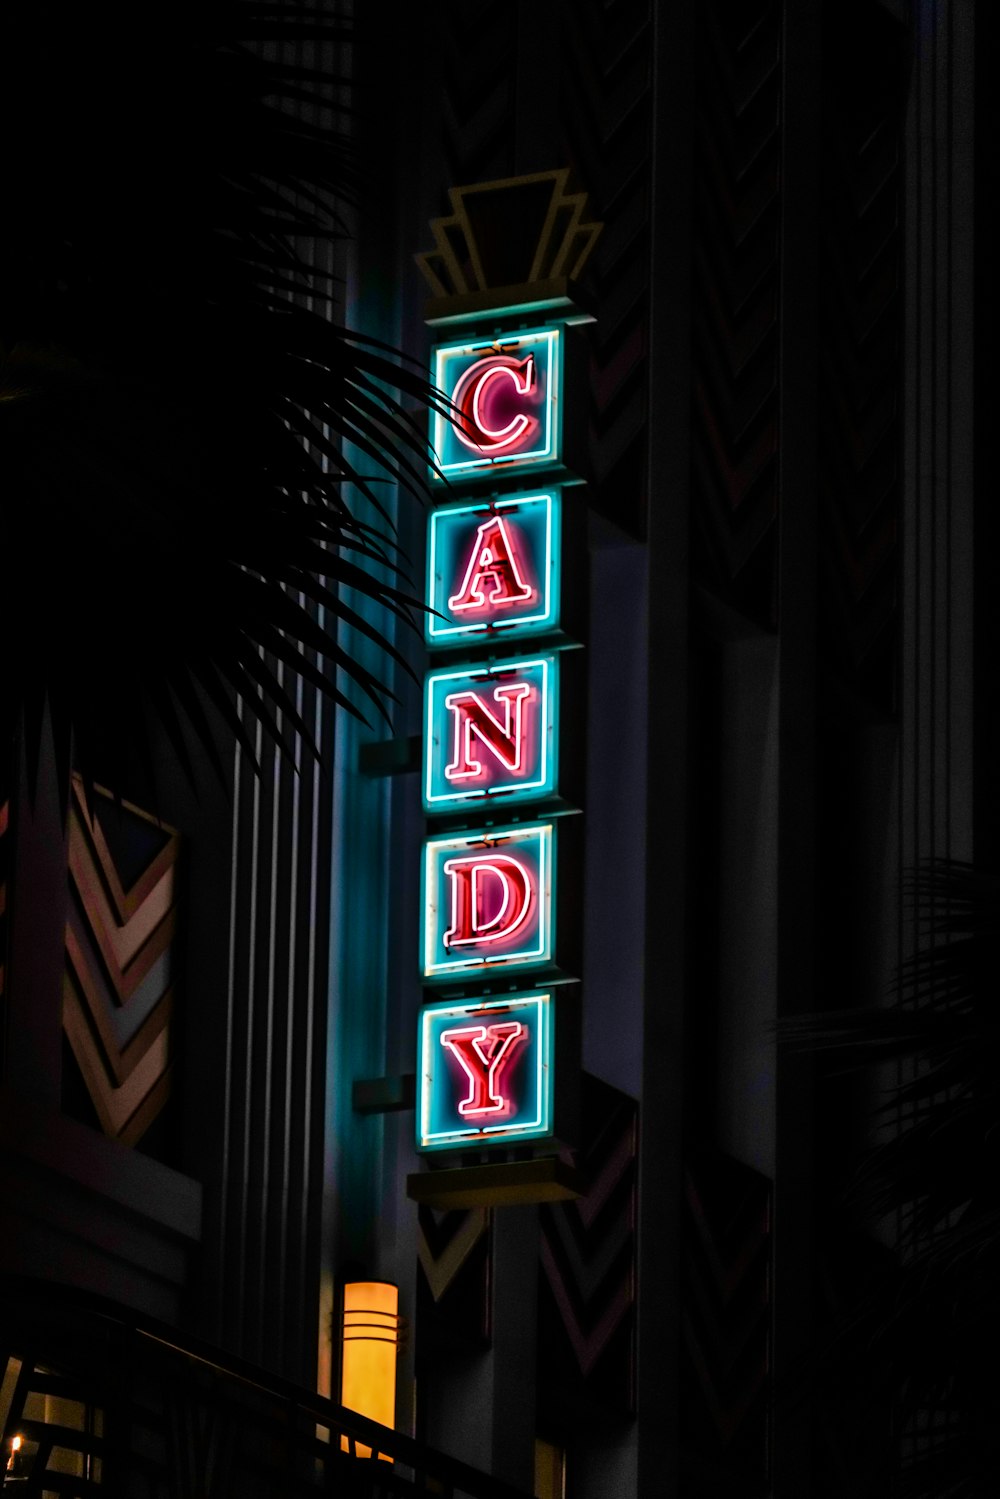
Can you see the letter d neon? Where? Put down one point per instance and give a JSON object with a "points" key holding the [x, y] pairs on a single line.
{"points": [[490, 898]]}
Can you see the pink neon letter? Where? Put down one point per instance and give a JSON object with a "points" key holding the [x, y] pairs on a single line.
{"points": [[473, 879], [472, 716], [492, 557], [473, 395], [484, 1052]]}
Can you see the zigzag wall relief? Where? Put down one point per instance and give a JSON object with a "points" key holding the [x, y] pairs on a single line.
{"points": [[725, 1318], [117, 983], [861, 368], [478, 46], [605, 110], [587, 1281], [454, 1252], [736, 301]]}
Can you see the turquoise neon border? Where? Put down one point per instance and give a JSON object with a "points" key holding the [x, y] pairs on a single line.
{"points": [[549, 450], [430, 1138], [438, 630], [536, 957], [544, 782]]}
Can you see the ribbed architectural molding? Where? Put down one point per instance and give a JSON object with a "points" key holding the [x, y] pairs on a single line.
{"points": [[270, 1201], [938, 520], [267, 1226]]}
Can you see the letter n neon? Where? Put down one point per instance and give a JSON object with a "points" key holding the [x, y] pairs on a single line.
{"points": [[504, 739]]}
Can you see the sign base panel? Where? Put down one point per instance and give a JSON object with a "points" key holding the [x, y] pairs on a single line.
{"points": [[503, 1184]]}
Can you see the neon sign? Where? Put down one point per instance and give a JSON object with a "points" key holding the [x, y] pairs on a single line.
{"points": [[485, 1071], [489, 895], [487, 901], [490, 732], [506, 395], [493, 567]]}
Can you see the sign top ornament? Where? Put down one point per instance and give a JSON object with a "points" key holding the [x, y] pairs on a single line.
{"points": [[519, 244]]}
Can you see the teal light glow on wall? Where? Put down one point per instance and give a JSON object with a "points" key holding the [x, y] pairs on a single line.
{"points": [[487, 901], [506, 392], [493, 568], [491, 733], [485, 1071]]}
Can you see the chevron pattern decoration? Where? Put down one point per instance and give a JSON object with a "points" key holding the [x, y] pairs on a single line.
{"points": [[725, 1317], [587, 1280], [861, 370], [736, 301], [454, 1250], [478, 46], [118, 992], [605, 111]]}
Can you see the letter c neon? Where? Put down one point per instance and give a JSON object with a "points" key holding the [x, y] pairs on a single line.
{"points": [[470, 398]]}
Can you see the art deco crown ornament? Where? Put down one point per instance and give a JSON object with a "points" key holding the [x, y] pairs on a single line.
{"points": [[518, 244]]}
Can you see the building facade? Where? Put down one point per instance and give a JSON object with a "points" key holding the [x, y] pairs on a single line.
{"points": [[774, 703]]}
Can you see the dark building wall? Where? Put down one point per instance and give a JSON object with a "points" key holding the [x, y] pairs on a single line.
{"points": [[782, 540]]}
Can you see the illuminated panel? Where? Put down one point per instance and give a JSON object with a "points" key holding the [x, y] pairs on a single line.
{"points": [[490, 733], [485, 1070], [487, 901], [369, 1342], [506, 395], [493, 567]]}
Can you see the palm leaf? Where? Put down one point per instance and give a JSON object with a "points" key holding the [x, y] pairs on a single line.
{"points": [[179, 499]]}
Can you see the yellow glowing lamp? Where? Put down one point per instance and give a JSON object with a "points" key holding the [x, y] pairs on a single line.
{"points": [[369, 1345]]}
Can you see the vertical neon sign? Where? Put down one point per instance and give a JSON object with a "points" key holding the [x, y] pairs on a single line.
{"points": [[491, 741]]}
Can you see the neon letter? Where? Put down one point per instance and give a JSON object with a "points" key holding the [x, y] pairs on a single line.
{"points": [[484, 1052], [503, 740], [475, 393], [472, 880], [492, 557]]}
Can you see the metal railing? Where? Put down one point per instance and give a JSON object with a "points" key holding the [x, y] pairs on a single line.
{"points": [[105, 1402]]}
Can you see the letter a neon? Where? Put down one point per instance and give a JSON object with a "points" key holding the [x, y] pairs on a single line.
{"points": [[505, 741], [473, 880], [484, 1052], [492, 557]]}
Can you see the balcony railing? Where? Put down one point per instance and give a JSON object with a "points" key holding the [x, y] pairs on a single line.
{"points": [[96, 1402]]}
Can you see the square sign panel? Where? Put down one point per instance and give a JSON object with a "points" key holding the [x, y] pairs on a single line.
{"points": [[505, 392], [488, 902], [485, 1070], [490, 733], [493, 567]]}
